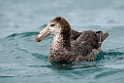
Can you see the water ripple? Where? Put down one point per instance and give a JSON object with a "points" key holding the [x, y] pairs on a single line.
{"points": [[40, 56], [105, 74], [109, 55], [25, 34], [6, 76]]}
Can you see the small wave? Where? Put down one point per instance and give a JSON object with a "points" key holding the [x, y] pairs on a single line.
{"points": [[40, 66], [112, 21], [40, 56], [6, 76], [116, 66], [25, 34], [22, 49], [113, 60], [112, 53], [104, 74], [108, 55]]}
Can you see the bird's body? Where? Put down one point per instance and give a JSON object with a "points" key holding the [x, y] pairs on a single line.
{"points": [[70, 46]]}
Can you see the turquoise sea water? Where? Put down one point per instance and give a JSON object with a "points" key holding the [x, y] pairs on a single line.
{"points": [[22, 60]]}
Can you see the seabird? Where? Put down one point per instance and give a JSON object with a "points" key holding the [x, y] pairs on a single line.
{"points": [[69, 45]]}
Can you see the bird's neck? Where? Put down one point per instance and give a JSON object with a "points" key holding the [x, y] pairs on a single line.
{"points": [[60, 46], [61, 41]]}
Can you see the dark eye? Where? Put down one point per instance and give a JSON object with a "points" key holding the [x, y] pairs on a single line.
{"points": [[52, 25]]}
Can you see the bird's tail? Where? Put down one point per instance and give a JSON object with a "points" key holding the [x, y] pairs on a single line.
{"points": [[101, 36]]}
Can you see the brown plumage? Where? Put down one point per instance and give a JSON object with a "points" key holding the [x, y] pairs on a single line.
{"points": [[70, 46]]}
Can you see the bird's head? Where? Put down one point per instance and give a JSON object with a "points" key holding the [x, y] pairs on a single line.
{"points": [[57, 26]]}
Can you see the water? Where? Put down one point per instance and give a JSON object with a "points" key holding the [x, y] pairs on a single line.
{"points": [[22, 60]]}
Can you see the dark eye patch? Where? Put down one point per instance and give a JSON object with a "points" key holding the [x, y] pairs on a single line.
{"points": [[52, 25]]}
